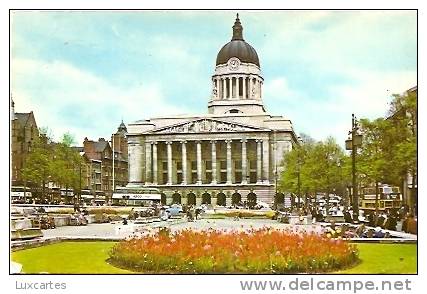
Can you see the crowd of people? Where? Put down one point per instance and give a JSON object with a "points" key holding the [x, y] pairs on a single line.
{"points": [[389, 219]]}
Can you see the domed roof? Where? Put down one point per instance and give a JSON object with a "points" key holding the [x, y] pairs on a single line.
{"points": [[237, 47]]}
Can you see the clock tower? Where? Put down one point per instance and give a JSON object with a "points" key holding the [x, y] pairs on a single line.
{"points": [[237, 81]]}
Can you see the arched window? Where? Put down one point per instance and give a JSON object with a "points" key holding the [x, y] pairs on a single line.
{"points": [[176, 198], [206, 198], [221, 199], [191, 199]]}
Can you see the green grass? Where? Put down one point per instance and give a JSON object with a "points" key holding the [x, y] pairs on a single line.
{"points": [[68, 258], [90, 258], [385, 259]]}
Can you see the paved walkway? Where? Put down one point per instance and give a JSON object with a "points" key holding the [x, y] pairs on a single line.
{"points": [[120, 231]]}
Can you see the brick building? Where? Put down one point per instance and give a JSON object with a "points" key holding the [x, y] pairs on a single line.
{"points": [[98, 175], [24, 131]]}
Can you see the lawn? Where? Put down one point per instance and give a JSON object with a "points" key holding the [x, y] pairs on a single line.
{"points": [[89, 258], [385, 259], [68, 258]]}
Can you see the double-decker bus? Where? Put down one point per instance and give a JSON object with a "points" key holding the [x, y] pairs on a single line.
{"points": [[136, 196], [19, 194], [389, 197]]}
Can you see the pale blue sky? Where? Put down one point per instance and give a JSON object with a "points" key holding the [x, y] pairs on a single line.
{"points": [[83, 72]]}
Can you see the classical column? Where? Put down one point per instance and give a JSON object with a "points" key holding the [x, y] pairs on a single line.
{"points": [[230, 88], [147, 162], [199, 162], [224, 88], [258, 160], [250, 88], [236, 91], [229, 180], [244, 162], [244, 87], [135, 152], [237, 87], [214, 181], [184, 162], [154, 146], [266, 161], [169, 151]]}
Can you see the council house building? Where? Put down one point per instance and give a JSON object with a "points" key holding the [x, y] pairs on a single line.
{"points": [[230, 155]]}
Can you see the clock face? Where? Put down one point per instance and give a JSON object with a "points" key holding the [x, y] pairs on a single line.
{"points": [[233, 63]]}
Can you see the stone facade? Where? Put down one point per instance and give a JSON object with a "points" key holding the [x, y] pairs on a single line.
{"points": [[99, 174], [230, 155], [24, 131]]}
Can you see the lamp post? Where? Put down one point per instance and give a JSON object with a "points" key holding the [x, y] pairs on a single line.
{"points": [[352, 144], [275, 170], [299, 180], [80, 182]]}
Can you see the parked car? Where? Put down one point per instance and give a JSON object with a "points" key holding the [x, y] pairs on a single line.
{"points": [[174, 210]]}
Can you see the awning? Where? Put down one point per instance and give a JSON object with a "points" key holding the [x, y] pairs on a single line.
{"points": [[137, 196], [87, 196]]}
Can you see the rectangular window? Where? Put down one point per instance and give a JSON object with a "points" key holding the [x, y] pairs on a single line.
{"points": [[252, 164], [208, 164], [223, 164], [194, 165], [223, 177], [179, 178], [164, 165], [208, 177], [238, 177], [193, 178], [252, 177], [237, 164], [179, 165]]}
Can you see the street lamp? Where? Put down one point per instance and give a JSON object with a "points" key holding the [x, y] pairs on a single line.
{"points": [[352, 144], [275, 170], [299, 179]]}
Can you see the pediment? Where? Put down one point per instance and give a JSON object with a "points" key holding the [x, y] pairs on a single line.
{"points": [[206, 125]]}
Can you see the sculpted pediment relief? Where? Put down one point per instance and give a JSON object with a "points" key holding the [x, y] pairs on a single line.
{"points": [[205, 126]]}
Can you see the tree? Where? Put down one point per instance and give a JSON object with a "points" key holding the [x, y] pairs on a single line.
{"points": [[373, 162], [313, 167], [38, 166], [67, 164], [403, 137]]}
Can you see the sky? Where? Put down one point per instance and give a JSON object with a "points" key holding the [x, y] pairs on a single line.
{"points": [[82, 72]]}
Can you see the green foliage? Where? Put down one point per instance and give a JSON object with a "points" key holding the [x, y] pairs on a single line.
{"points": [[53, 162], [389, 146], [314, 167], [373, 163]]}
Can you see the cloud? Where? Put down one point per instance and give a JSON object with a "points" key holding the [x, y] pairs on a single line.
{"points": [[65, 98], [368, 96], [319, 66]]}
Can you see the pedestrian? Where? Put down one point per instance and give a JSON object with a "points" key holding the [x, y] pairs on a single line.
{"points": [[411, 225]]}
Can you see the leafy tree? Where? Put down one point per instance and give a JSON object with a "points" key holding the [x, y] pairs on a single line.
{"points": [[402, 136], [373, 163], [313, 167], [38, 168], [67, 164], [53, 162]]}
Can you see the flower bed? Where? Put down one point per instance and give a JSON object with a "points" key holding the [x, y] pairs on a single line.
{"points": [[253, 251]]}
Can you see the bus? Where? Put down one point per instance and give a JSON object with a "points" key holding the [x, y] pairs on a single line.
{"points": [[87, 196], [136, 196], [389, 197], [100, 198], [19, 194]]}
